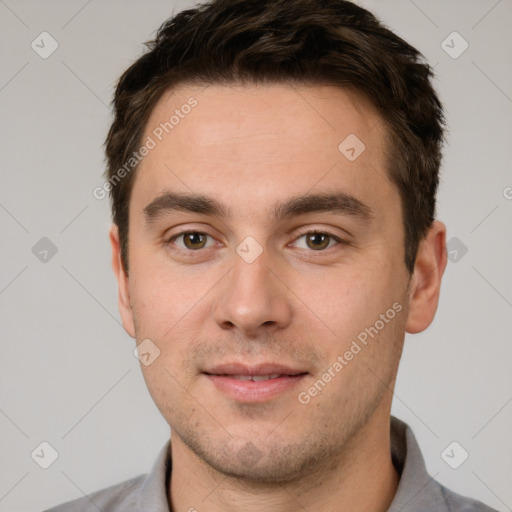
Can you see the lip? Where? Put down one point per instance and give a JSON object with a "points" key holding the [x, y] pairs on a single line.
{"points": [[248, 391], [259, 369]]}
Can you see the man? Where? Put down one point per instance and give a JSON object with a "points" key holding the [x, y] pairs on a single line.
{"points": [[273, 168]]}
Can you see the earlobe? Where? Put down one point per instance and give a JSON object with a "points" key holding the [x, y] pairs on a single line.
{"points": [[426, 280], [124, 304]]}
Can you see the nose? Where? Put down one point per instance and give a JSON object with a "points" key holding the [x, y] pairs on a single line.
{"points": [[254, 298]]}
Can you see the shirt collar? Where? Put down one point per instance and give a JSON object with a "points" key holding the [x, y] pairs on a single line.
{"points": [[153, 492], [416, 490]]}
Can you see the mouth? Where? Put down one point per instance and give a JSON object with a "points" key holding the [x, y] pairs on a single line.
{"points": [[256, 378], [254, 384]]}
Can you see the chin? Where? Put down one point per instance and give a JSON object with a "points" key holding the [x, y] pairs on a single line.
{"points": [[260, 462]]}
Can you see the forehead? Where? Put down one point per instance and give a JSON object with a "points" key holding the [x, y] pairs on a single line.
{"points": [[225, 115], [265, 142]]}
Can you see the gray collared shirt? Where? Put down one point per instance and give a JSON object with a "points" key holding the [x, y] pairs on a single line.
{"points": [[417, 490]]}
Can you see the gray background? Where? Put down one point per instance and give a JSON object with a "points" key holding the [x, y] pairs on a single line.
{"points": [[67, 372]]}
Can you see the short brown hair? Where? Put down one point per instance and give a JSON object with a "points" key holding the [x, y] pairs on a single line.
{"points": [[324, 42]]}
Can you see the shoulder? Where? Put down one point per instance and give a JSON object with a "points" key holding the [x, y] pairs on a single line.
{"points": [[458, 503], [117, 498]]}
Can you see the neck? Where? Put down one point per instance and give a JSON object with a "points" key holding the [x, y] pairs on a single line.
{"points": [[363, 479]]}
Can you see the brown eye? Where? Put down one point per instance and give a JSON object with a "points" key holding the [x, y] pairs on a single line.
{"points": [[192, 240], [317, 241]]}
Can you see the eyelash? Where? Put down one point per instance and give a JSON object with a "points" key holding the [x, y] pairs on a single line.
{"points": [[188, 252]]}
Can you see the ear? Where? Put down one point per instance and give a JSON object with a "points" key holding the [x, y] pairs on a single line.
{"points": [[426, 279], [123, 283]]}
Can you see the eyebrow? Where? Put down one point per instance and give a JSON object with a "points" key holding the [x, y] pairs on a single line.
{"points": [[337, 202]]}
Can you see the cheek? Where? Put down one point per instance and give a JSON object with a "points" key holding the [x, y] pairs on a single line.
{"points": [[348, 299], [161, 294]]}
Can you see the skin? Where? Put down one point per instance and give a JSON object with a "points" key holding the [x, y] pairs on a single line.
{"points": [[250, 147]]}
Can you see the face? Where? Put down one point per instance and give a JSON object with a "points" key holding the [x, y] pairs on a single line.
{"points": [[274, 346]]}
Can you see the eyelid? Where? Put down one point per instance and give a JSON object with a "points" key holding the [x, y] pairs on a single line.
{"points": [[321, 231]]}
